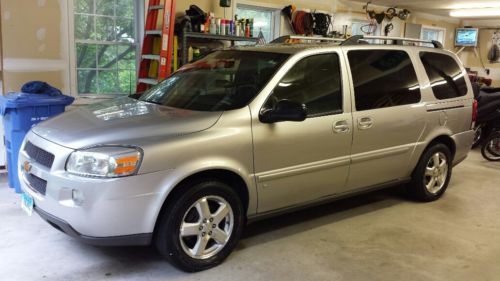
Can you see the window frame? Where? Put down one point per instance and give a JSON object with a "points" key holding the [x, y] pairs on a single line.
{"points": [[431, 87], [139, 16], [353, 87], [363, 22], [275, 9], [341, 86], [434, 28]]}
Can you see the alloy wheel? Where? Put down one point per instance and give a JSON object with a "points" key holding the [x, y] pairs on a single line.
{"points": [[436, 172], [206, 227]]}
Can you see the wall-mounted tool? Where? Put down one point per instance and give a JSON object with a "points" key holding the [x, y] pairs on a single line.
{"points": [[379, 17], [388, 28], [402, 14], [494, 52]]}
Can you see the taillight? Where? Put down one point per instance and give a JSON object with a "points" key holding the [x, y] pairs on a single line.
{"points": [[474, 114]]}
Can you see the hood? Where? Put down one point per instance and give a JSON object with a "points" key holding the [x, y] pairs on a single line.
{"points": [[122, 121]]}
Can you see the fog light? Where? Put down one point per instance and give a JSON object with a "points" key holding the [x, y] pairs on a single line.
{"points": [[77, 197]]}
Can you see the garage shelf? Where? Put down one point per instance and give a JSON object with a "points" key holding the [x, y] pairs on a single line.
{"points": [[205, 36]]}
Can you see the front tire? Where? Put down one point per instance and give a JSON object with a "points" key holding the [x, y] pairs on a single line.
{"points": [[201, 226], [432, 175]]}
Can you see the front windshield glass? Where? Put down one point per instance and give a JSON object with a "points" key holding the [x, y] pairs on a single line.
{"points": [[222, 80]]}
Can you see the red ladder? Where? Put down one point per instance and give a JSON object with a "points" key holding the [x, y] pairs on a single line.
{"points": [[156, 64]]}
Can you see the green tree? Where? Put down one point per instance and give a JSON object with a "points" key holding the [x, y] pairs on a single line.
{"points": [[105, 49]]}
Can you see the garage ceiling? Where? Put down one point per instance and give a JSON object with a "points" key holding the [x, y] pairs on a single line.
{"points": [[438, 7]]}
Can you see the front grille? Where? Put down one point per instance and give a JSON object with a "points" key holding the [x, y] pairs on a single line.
{"points": [[37, 183], [39, 155]]}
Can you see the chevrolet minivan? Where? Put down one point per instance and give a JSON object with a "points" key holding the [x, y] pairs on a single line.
{"points": [[245, 133]]}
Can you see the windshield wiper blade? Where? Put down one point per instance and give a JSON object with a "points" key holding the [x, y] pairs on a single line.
{"points": [[155, 102]]}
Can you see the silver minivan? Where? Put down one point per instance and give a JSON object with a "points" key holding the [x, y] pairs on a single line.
{"points": [[246, 133]]}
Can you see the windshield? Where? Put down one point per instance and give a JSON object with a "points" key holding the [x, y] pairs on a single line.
{"points": [[222, 80]]}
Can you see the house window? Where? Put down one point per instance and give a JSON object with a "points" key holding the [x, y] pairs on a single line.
{"points": [[360, 27], [266, 20], [432, 33], [105, 42]]}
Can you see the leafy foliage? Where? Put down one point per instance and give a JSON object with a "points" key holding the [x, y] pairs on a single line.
{"points": [[105, 46]]}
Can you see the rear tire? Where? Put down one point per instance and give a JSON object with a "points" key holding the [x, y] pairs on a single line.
{"points": [[432, 175], [478, 136], [201, 225], [491, 147]]}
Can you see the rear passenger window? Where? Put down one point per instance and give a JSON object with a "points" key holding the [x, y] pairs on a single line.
{"points": [[446, 77], [383, 78], [313, 81]]}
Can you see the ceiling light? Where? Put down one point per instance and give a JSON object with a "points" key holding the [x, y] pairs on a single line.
{"points": [[475, 13], [476, 5]]}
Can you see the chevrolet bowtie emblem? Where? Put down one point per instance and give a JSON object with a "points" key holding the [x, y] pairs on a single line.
{"points": [[27, 166]]}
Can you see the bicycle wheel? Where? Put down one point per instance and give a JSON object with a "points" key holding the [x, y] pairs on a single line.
{"points": [[491, 147]]}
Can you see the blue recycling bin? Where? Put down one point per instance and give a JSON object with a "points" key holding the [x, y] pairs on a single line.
{"points": [[20, 112]]}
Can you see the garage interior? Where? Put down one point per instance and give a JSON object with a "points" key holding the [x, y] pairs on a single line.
{"points": [[92, 50]]}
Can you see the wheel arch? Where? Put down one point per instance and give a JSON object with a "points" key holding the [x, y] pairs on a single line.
{"points": [[441, 137], [227, 176], [446, 140]]}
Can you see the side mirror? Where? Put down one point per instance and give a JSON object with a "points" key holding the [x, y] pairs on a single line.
{"points": [[285, 110]]}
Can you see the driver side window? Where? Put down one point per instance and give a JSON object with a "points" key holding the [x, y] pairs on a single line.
{"points": [[314, 81]]}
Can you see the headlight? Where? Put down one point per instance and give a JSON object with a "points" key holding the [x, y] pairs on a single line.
{"points": [[105, 161]]}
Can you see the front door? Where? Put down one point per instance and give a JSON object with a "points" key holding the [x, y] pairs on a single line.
{"points": [[300, 162]]}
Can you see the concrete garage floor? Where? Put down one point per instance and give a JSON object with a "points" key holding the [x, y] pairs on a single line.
{"points": [[378, 236]]}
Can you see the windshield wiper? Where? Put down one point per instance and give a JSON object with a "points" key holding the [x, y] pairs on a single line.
{"points": [[155, 102]]}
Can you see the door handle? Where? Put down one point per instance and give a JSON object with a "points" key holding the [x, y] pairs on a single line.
{"points": [[341, 127], [365, 123]]}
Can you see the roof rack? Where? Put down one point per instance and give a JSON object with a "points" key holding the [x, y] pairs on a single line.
{"points": [[284, 39], [357, 40]]}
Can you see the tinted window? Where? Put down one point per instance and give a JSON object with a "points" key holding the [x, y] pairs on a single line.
{"points": [[383, 78], [223, 80], [447, 80], [315, 82]]}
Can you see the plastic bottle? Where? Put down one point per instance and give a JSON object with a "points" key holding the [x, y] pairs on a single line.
{"points": [[213, 26], [242, 28], [207, 24], [237, 29], [219, 24], [251, 27], [190, 54], [223, 27], [247, 28], [196, 53], [228, 27]]}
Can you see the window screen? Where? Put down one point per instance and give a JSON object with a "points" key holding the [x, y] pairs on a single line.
{"points": [[383, 78], [446, 78], [315, 82]]}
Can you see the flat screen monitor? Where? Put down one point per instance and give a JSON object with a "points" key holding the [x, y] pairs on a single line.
{"points": [[466, 37]]}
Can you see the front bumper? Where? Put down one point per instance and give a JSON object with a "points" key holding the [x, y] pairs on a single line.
{"points": [[117, 211], [126, 240]]}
